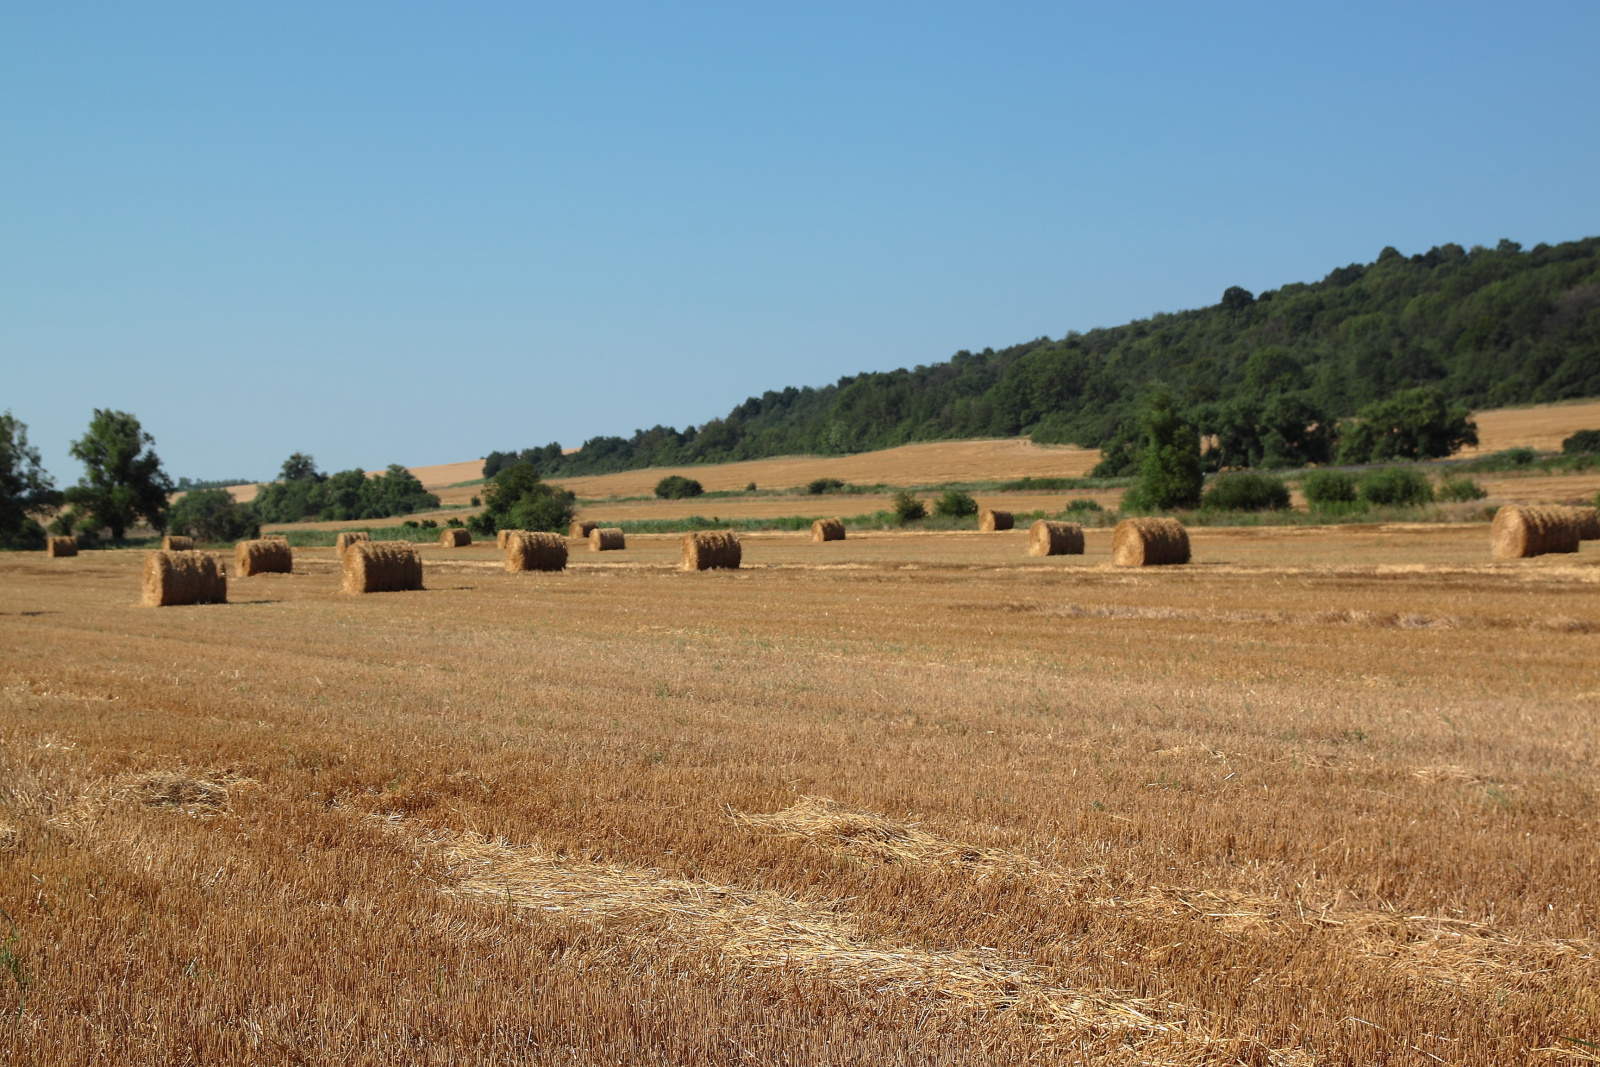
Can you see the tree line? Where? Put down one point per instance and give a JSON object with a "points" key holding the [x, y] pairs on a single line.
{"points": [[1280, 378]]}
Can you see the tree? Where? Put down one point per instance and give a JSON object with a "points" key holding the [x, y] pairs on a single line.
{"points": [[1237, 298], [516, 499], [300, 467], [212, 515], [122, 480], [1413, 424], [677, 487], [26, 491], [1169, 476]]}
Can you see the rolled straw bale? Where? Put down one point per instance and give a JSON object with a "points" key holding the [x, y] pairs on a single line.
{"points": [[528, 551], [183, 578], [381, 567], [266, 555], [1048, 538], [175, 543], [827, 530], [581, 528], [454, 537], [991, 519], [1149, 543], [708, 549], [60, 546], [1588, 522], [607, 539], [348, 538], [500, 538], [1519, 531]]}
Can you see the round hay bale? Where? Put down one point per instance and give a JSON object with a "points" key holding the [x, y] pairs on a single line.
{"points": [[992, 519], [500, 538], [1587, 520], [607, 539], [711, 549], [60, 547], [176, 543], [827, 530], [1149, 543], [1049, 538], [266, 555], [581, 529], [454, 537], [530, 551], [348, 538], [1520, 531], [185, 577], [381, 567]]}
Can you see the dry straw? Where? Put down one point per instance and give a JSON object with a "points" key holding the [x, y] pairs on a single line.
{"points": [[528, 551], [607, 539], [1048, 538], [183, 578], [1520, 531], [581, 528], [827, 530], [711, 549], [1149, 543], [348, 538], [175, 543], [382, 567], [1588, 522], [992, 519], [58, 547], [501, 536], [454, 538], [268, 555]]}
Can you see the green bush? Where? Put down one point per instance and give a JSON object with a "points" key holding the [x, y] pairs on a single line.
{"points": [[1246, 492], [1394, 487], [750, 487], [1461, 490], [212, 515], [1082, 504], [1582, 441], [677, 487], [954, 504], [1169, 470], [824, 485], [516, 499], [908, 508], [1329, 487]]}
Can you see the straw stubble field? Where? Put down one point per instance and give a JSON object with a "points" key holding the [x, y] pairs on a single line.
{"points": [[1319, 797]]}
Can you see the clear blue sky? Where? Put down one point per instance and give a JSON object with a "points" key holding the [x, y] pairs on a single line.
{"points": [[413, 233]]}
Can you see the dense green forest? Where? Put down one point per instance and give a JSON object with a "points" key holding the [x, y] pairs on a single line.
{"points": [[1480, 327]]}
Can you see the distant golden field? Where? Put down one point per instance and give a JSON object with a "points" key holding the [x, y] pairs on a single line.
{"points": [[1325, 796]]}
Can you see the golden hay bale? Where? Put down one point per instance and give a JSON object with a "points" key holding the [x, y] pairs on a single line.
{"points": [[581, 528], [607, 539], [175, 543], [454, 537], [1520, 531], [1588, 522], [267, 555], [827, 530], [381, 567], [991, 519], [500, 538], [1149, 543], [1048, 538], [708, 549], [60, 546], [183, 578], [528, 551], [348, 538]]}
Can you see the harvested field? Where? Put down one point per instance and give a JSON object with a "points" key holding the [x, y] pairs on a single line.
{"points": [[1323, 796], [1543, 426]]}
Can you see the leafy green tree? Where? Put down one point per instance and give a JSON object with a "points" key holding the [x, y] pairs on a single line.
{"points": [[677, 487], [1395, 487], [1169, 475], [907, 508], [212, 515], [27, 492], [1412, 424], [1329, 487], [1246, 492], [122, 481], [516, 499], [954, 504], [1582, 441]]}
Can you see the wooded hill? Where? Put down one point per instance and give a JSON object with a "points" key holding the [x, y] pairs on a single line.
{"points": [[1484, 327]]}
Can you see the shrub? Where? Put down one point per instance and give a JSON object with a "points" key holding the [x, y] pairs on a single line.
{"points": [[1246, 492], [677, 487], [1082, 504], [750, 487], [1582, 441], [212, 515], [1395, 487], [517, 500], [1329, 487], [908, 508], [1461, 490], [955, 504], [1169, 471], [824, 485]]}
